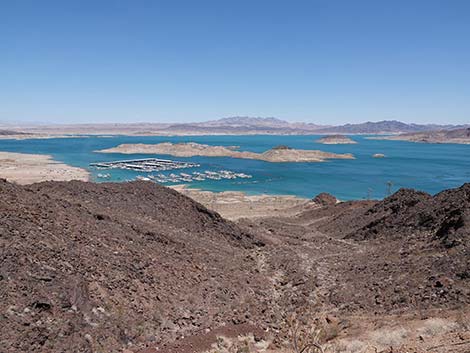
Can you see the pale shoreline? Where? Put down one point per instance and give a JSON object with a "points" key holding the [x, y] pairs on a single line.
{"points": [[39, 137], [459, 141], [34, 136], [24, 168], [234, 205], [458, 136]]}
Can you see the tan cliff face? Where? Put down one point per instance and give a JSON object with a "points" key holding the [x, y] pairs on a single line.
{"points": [[191, 149]]}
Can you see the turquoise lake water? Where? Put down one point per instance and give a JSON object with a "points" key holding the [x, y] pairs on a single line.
{"points": [[427, 167]]}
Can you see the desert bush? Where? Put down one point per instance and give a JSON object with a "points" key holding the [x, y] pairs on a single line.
{"points": [[305, 336], [242, 344], [388, 337], [436, 326], [350, 346]]}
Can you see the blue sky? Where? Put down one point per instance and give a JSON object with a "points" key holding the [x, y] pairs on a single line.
{"points": [[326, 62]]}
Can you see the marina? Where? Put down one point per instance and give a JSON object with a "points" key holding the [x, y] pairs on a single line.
{"points": [[145, 165], [195, 176], [149, 165]]}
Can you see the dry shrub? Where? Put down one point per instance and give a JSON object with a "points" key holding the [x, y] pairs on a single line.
{"points": [[436, 326], [388, 337], [241, 344], [463, 320], [227, 345], [305, 335], [350, 346]]}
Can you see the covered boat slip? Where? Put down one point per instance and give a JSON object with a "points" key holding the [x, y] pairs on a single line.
{"points": [[146, 164]]}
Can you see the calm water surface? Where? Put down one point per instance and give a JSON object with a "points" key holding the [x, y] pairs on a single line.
{"points": [[428, 167]]}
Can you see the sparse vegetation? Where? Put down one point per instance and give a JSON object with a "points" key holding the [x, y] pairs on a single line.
{"points": [[242, 344], [305, 336], [390, 337], [435, 326]]}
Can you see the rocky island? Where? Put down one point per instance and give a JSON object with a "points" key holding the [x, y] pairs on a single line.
{"points": [[336, 140], [191, 149]]}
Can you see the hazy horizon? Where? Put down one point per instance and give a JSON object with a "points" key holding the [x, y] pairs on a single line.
{"points": [[32, 123], [323, 62]]}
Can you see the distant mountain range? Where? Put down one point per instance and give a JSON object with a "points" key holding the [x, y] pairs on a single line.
{"points": [[273, 125], [249, 125], [239, 125], [385, 126]]}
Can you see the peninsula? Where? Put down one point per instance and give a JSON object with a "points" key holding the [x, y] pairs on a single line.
{"points": [[460, 136], [191, 149], [336, 140], [23, 168], [18, 135]]}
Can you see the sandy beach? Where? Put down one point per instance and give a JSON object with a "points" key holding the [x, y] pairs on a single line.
{"points": [[25, 168], [234, 205]]}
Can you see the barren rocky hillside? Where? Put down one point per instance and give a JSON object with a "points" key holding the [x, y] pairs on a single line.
{"points": [[107, 267], [101, 266]]}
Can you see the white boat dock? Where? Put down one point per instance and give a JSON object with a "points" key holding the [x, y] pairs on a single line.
{"points": [[145, 165]]}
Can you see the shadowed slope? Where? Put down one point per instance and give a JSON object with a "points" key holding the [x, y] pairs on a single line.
{"points": [[100, 266]]}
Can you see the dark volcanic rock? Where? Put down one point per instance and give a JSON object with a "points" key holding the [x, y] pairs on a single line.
{"points": [[444, 216], [90, 267], [325, 199], [281, 147], [95, 267], [405, 252]]}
